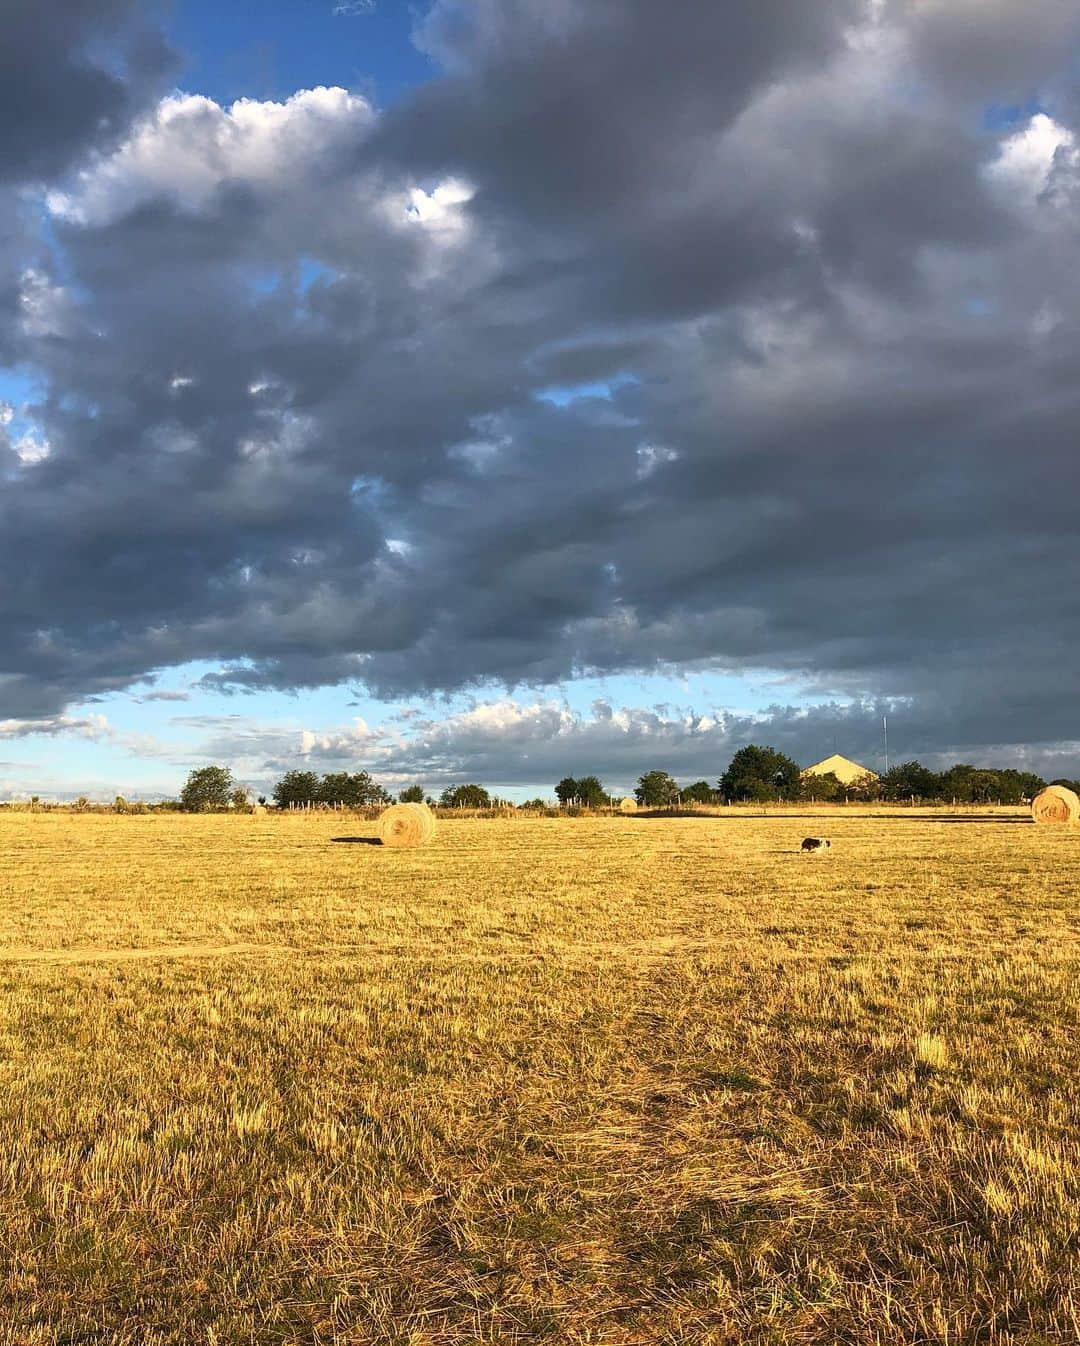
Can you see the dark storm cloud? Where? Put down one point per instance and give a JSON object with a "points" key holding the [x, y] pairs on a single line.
{"points": [[991, 50], [72, 73], [564, 112], [297, 367]]}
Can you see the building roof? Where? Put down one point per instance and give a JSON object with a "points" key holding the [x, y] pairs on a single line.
{"points": [[843, 768]]}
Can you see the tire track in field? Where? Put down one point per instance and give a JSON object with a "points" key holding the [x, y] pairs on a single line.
{"points": [[644, 953], [650, 951], [337, 953], [140, 954]]}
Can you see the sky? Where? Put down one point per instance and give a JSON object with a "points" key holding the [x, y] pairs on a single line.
{"points": [[485, 390]]}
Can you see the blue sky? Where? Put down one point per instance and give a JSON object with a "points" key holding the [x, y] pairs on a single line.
{"points": [[150, 737], [270, 48]]}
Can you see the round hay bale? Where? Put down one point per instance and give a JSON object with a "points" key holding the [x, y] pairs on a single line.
{"points": [[406, 825], [259, 811], [628, 805], [1056, 804]]}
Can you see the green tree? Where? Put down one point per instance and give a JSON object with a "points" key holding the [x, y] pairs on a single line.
{"points": [[911, 780], [296, 787], [701, 792], [1019, 787], [338, 787], [956, 783], [982, 785], [412, 794], [865, 787], [206, 789], [826, 787], [240, 797], [656, 790], [566, 791], [590, 792], [465, 797], [985, 786], [354, 791], [761, 774]]}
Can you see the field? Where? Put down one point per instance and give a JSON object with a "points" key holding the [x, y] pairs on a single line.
{"points": [[612, 1080]]}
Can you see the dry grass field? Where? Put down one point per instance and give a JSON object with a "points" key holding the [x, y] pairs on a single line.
{"points": [[614, 1080]]}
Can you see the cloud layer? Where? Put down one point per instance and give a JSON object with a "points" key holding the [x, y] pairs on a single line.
{"points": [[527, 745], [643, 337]]}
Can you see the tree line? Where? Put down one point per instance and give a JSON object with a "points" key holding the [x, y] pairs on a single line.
{"points": [[759, 774], [755, 774], [211, 789], [964, 783]]}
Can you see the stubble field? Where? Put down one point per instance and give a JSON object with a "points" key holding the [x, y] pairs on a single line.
{"points": [[613, 1080]]}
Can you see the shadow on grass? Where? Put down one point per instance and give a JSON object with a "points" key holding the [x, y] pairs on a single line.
{"points": [[357, 841], [986, 819], [659, 815], [964, 818]]}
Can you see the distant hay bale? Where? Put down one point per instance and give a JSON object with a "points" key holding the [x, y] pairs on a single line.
{"points": [[1056, 804], [628, 805], [259, 811], [406, 825]]}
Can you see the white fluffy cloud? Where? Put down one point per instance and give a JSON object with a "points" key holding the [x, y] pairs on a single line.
{"points": [[526, 743], [189, 148], [46, 308], [341, 744], [27, 445], [1027, 158], [440, 209], [530, 744], [29, 449]]}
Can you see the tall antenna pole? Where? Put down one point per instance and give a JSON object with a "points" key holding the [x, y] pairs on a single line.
{"points": [[885, 728]]}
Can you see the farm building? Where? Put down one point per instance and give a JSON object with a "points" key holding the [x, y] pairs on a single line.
{"points": [[843, 768]]}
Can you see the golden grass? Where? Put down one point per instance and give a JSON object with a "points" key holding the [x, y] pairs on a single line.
{"points": [[614, 1080]]}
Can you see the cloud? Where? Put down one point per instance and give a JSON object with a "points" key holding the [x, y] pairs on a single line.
{"points": [[511, 742], [188, 149], [1028, 158], [72, 74], [984, 50], [92, 727], [296, 359], [531, 744]]}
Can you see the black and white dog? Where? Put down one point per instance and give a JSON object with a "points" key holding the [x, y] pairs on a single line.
{"points": [[811, 844]]}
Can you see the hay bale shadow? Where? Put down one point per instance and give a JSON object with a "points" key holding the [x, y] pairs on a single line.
{"points": [[748, 816], [987, 820], [357, 841]]}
